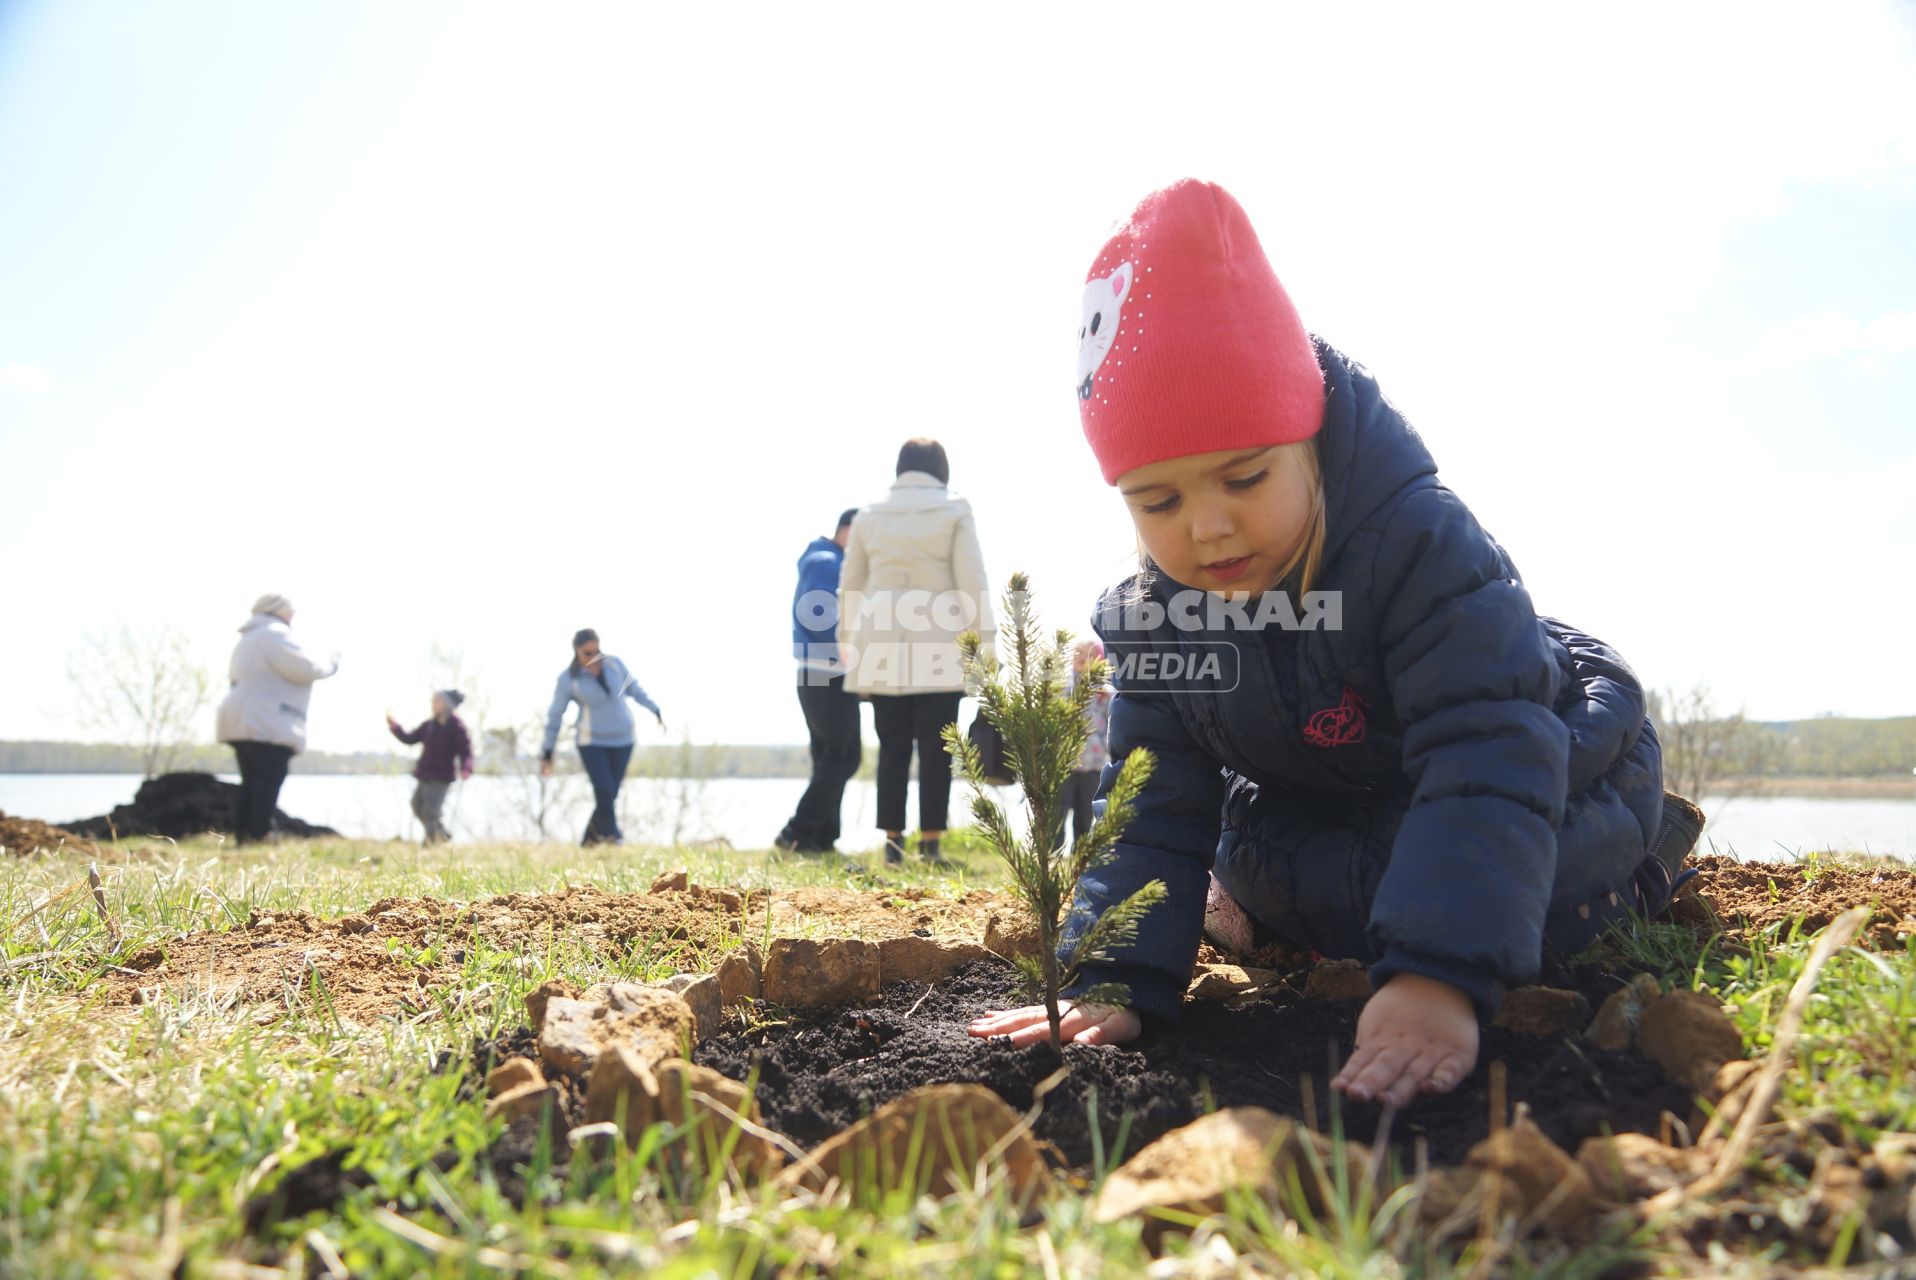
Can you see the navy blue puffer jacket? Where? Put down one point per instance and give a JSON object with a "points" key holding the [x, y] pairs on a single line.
{"points": [[1417, 788]]}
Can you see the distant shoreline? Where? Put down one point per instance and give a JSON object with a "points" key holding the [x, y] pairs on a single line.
{"points": [[1794, 788]]}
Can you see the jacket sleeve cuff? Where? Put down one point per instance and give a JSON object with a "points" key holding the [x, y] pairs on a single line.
{"points": [[1153, 993], [1484, 989]]}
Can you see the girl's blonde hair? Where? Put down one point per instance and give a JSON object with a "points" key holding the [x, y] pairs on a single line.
{"points": [[1301, 571]]}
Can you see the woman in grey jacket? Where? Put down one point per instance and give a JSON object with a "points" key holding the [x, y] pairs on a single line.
{"points": [[263, 716], [600, 684]]}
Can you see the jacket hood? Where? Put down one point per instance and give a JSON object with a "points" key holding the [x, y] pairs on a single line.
{"points": [[1366, 453], [259, 620], [826, 545]]}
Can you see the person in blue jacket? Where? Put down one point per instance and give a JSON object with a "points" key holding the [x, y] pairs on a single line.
{"points": [[1367, 741], [831, 714], [600, 684]]}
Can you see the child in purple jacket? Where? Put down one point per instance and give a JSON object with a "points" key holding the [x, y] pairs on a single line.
{"points": [[447, 754]]}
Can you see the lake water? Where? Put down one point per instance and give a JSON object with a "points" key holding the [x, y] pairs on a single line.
{"points": [[748, 812]]}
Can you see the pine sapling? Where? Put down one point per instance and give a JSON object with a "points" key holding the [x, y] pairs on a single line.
{"points": [[1044, 727]]}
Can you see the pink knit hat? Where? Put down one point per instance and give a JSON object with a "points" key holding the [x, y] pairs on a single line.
{"points": [[1187, 343]]}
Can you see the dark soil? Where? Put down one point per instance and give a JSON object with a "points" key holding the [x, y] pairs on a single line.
{"points": [[821, 1072], [177, 805]]}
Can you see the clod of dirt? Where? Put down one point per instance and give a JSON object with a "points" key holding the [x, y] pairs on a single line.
{"points": [[1195, 1169], [1010, 938], [931, 1138], [1223, 981], [513, 1073], [1635, 1166], [671, 882], [1615, 1027], [317, 1185], [926, 960], [1338, 980], [700, 991], [1454, 1202], [543, 994], [1543, 1011], [1760, 894], [520, 1101], [653, 1023], [1688, 1033], [177, 805], [738, 976], [625, 1089], [804, 973], [1551, 1189], [22, 836]]}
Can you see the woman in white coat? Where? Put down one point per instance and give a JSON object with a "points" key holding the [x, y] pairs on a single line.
{"points": [[913, 580], [263, 716]]}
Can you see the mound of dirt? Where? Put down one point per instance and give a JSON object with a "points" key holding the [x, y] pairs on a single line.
{"points": [[823, 1071], [177, 805], [377, 963], [1756, 895], [22, 836]]}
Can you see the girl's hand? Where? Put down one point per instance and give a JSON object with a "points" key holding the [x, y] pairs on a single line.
{"points": [[1082, 1023], [1416, 1035]]}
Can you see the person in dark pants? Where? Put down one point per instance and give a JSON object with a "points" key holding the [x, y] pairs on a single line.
{"points": [[447, 756], [263, 716], [600, 684], [831, 714], [913, 581]]}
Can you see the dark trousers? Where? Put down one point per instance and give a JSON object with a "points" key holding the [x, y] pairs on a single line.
{"points": [[1080, 788], [904, 721], [605, 766], [832, 720], [262, 769]]}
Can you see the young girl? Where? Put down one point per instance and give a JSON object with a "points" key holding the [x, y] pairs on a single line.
{"points": [[447, 755], [1370, 735]]}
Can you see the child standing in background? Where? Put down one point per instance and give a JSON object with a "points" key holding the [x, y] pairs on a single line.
{"points": [[1082, 786], [447, 755]]}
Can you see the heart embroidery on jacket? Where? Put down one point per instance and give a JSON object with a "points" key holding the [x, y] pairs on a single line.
{"points": [[1340, 725]]}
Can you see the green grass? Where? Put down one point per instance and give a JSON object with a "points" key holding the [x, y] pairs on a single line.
{"points": [[133, 1135]]}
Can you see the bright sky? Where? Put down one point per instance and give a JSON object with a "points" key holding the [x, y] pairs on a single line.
{"points": [[474, 324]]}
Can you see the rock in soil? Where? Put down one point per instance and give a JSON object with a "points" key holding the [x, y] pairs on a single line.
{"points": [[803, 973], [530, 1099], [948, 1128], [539, 996], [513, 1073], [1635, 1166], [1010, 938], [1223, 981], [738, 976], [925, 960], [177, 805], [671, 882], [1615, 1026], [1338, 980], [1690, 1035], [700, 991], [1196, 1169], [1543, 1011], [823, 1070], [627, 1090], [653, 1023], [1550, 1188]]}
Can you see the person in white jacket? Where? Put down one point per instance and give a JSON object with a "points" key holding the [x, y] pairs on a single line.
{"points": [[913, 580], [263, 716]]}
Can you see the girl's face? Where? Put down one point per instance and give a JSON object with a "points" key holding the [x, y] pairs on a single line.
{"points": [[440, 708], [1224, 522]]}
